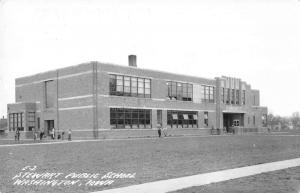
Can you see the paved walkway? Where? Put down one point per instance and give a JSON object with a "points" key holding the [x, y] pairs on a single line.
{"points": [[163, 186]]}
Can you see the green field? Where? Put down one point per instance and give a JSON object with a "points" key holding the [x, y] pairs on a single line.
{"points": [[283, 181], [150, 159]]}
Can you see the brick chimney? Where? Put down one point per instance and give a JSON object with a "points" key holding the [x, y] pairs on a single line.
{"points": [[132, 60]]}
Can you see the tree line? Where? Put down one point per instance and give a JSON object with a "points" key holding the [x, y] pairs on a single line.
{"points": [[290, 122]]}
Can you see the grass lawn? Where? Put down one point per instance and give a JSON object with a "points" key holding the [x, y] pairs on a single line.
{"points": [[282, 181], [151, 159]]}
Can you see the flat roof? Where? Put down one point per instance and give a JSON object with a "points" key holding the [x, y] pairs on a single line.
{"points": [[21, 79]]}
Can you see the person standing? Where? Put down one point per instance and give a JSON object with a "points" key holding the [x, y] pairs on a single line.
{"points": [[53, 133], [159, 131], [165, 131], [18, 134], [34, 135], [69, 135], [41, 135]]}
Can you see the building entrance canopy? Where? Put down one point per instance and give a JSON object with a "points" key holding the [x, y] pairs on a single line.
{"points": [[234, 112], [233, 119]]}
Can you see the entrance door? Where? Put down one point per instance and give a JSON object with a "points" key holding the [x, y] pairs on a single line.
{"points": [[231, 120], [236, 122], [227, 121], [49, 124]]}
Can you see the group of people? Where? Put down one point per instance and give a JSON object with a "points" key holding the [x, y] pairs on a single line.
{"points": [[162, 131], [60, 136], [52, 134]]}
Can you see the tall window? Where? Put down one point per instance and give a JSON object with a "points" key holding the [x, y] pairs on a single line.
{"points": [[147, 88], [173, 90], [112, 84], [130, 118], [232, 96], [189, 93], [141, 87], [169, 85], [243, 97], [264, 120], [31, 120], [159, 118], [120, 86], [127, 90], [129, 86], [11, 122], [16, 120], [206, 118], [228, 96], [49, 93], [180, 91], [185, 92], [38, 122], [134, 86], [208, 93], [237, 101], [223, 95], [254, 120], [182, 119]]}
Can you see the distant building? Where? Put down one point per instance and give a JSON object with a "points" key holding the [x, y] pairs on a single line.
{"points": [[3, 125], [98, 100], [290, 125]]}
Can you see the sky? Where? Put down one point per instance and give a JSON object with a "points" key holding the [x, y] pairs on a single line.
{"points": [[255, 40]]}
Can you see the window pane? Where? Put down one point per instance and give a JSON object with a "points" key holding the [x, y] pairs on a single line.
{"points": [[205, 115], [203, 93], [141, 82], [141, 87], [126, 81], [147, 91], [129, 86], [119, 80], [185, 116], [169, 89], [179, 91], [50, 91], [120, 88], [112, 84], [133, 86], [184, 90], [141, 114], [141, 90], [174, 116], [174, 88], [182, 119], [147, 83]]}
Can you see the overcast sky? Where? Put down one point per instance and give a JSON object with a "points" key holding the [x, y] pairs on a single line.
{"points": [[255, 40]]}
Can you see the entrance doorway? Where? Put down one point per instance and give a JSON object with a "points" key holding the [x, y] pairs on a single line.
{"points": [[49, 125], [231, 120]]}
